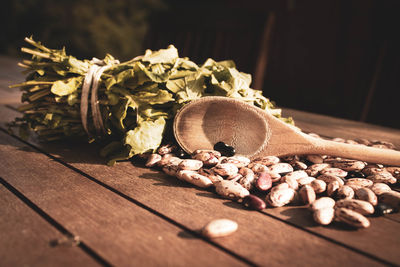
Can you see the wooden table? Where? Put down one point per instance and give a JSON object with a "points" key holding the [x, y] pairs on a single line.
{"points": [[60, 205]]}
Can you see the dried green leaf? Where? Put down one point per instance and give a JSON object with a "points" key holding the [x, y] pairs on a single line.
{"points": [[194, 89], [167, 56], [119, 113], [73, 99], [186, 64], [151, 113], [145, 137], [66, 87], [176, 85], [158, 76], [152, 98]]}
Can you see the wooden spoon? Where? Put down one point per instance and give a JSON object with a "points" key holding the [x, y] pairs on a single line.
{"points": [[254, 132]]}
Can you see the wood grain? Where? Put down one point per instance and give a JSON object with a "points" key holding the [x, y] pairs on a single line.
{"points": [[119, 231], [24, 232], [176, 199], [380, 239], [255, 133], [9, 73], [336, 127]]}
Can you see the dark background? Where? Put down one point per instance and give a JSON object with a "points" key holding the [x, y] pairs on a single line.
{"points": [[333, 57]]}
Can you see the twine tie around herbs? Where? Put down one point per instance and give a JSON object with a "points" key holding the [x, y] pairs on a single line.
{"points": [[90, 86]]}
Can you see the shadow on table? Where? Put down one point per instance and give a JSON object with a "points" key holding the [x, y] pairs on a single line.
{"points": [[208, 194], [187, 235], [298, 215], [69, 152], [162, 179], [74, 152], [301, 216], [234, 205]]}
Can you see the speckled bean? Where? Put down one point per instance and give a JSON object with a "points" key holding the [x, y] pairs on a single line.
{"points": [[236, 177], [281, 168], [297, 174], [358, 205], [367, 194], [152, 160], [307, 194], [298, 165], [263, 181], [210, 174], [170, 169], [348, 165], [267, 160], [225, 169], [168, 159], [328, 178], [291, 181], [315, 159], [280, 195], [334, 171], [352, 218], [210, 151], [322, 203], [345, 192], [383, 177], [209, 158], [166, 149], [257, 167], [231, 190], [372, 169], [332, 188], [194, 178], [305, 180], [314, 169], [357, 183], [190, 164], [380, 188], [238, 161], [319, 186]]}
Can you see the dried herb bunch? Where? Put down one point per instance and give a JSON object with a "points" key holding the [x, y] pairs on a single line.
{"points": [[137, 99]]}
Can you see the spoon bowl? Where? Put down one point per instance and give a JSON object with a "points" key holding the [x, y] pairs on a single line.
{"points": [[254, 132]]}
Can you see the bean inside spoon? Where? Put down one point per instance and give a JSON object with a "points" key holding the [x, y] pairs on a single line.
{"points": [[254, 132]]}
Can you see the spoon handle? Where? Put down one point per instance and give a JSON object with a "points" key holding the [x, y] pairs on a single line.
{"points": [[360, 152]]}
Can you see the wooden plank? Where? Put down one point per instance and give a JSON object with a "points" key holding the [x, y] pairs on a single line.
{"points": [[24, 232], [336, 127], [10, 98], [122, 233], [9, 73], [382, 236], [261, 239]]}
